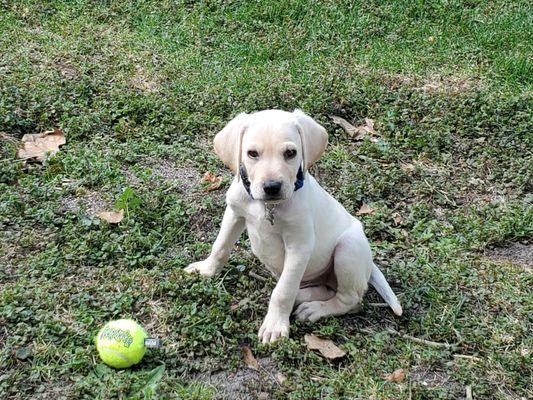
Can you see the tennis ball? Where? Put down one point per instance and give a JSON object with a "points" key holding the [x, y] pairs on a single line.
{"points": [[120, 343]]}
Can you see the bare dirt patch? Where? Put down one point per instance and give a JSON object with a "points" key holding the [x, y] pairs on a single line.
{"points": [[431, 378], [94, 202], [188, 177], [66, 69], [188, 180], [245, 383], [515, 253], [131, 178], [59, 391], [432, 84], [449, 84], [142, 80], [9, 250]]}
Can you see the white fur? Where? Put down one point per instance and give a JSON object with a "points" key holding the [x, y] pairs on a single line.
{"points": [[310, 231]]}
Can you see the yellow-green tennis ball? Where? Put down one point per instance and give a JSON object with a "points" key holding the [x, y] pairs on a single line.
{"points": [[120, 343]]}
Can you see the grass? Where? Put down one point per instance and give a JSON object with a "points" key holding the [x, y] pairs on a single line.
{"points": [[140, 88]]}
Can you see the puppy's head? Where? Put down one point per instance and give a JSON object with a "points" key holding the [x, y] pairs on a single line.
{"points": [[271, 146]]}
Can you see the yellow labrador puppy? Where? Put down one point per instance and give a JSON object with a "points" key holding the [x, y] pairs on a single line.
{"points": [[315, 249]]}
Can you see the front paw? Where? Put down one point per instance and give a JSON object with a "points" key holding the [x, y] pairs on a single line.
{"points": [[274, 327], [205, 268]]}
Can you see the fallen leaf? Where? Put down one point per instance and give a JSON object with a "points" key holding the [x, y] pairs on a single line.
{"points": [[249, 358], [366, 130], [359, 132], [39, 145], [213, 181], [397, 376], [368, 126], [366, 209], [431, 87], [407, 167], [348, 128], [113, 217], [326, 347], [397, 218]]}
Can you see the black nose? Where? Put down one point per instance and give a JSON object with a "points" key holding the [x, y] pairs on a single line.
{"points": [[272, 188]]}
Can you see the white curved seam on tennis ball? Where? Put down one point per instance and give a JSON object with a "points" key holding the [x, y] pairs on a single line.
{"points": [[119, 354]]}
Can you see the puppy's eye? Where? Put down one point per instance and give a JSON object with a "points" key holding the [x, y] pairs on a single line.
{"points": [[290, 153], [253, 154]]}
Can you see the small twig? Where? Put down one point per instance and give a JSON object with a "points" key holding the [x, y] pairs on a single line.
{"points": [[467, 357], [469, 393], [172, 187], [256, 276], [421, 341]]}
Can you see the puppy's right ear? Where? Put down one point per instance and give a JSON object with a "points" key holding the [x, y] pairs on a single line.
{"points": [[228, 142]]}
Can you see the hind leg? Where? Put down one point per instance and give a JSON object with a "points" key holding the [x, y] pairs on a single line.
{"points": [[313, 293], [352, 267]]}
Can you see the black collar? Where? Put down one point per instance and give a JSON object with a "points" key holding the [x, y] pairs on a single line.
{"points": [[246, 182]]}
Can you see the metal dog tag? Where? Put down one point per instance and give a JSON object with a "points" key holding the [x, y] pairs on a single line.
{"points": [[152, 343], [269, 212]]}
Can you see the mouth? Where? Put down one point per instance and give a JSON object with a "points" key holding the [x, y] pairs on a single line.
{"points": [[273, 199]]}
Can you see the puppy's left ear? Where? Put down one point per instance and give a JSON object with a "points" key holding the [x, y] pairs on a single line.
{"points": [[228, 142], [313, 135]]}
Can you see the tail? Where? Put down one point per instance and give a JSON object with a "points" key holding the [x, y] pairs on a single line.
{"points": [[382, 286]]}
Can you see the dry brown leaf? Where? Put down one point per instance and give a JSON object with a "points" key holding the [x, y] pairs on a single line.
{"points": [[407, 167], [397, 376], [113, 217], [281, 378], [326, 347], [366, 129], [366, 209], [397, 218], [348, 128], [213, 180], [431, 87], [249, 358], [359, 132], [368, 126], [209, 177], [39, 145]]}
